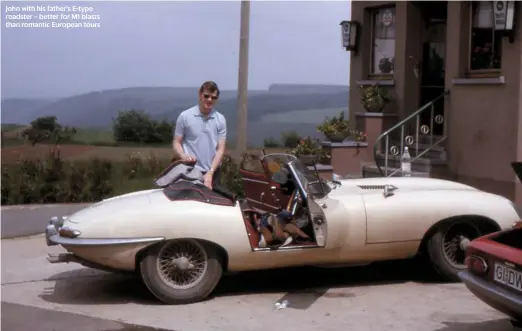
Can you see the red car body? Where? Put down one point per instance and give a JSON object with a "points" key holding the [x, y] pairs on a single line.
{"points": [[494, 267]]}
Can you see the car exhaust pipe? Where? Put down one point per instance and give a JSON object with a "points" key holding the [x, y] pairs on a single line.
{"points": [[62, 258]]}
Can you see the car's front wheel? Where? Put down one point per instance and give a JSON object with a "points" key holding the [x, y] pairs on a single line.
{"points": [[181, 271], [447, 247]]}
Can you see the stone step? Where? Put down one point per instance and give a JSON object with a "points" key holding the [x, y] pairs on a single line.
{"points": [[371, 171], [422, 164], [433, 152], [349, 176], [423, 139]]}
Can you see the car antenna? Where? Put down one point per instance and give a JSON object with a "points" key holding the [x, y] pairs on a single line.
{"points": [[320, 180]]}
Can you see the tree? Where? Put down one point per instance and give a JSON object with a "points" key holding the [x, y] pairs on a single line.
{"points": [[47, 129], [290, 139], [137, 126]]}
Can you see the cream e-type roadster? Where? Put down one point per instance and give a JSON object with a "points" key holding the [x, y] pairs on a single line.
{"points": [[183, 237]]}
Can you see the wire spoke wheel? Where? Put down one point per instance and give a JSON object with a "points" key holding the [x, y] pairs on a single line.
{"points": [[182, 264], [455, 240]]}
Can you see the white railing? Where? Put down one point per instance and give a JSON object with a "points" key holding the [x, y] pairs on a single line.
{"points": [[410, 131]]}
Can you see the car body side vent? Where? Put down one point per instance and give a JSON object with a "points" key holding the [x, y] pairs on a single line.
{"points": [[375, 187]]}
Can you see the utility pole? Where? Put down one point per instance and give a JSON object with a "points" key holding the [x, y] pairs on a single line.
{"points": [[242, 89]]}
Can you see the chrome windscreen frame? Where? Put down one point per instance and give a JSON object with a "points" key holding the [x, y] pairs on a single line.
{"points": [[298, 181]]}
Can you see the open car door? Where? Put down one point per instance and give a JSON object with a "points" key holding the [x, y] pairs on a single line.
{"points": [[260, 191]]}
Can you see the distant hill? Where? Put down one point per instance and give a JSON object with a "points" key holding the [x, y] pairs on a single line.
{"points": [[18, 110], [308, 88], [98, 108]]}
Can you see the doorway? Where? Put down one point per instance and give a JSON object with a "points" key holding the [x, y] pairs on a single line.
{"points": [[433, 64]]}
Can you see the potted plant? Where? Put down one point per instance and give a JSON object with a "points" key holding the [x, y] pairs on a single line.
{"points": [[374, 98], [309, 151], [360, 136], [336, 129], [386, 65]]}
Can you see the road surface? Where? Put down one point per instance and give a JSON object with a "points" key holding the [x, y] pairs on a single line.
{"points": [[27, 220], [382, 297]]}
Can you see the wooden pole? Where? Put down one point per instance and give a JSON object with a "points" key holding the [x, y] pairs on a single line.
{"points": [[242, 90]]}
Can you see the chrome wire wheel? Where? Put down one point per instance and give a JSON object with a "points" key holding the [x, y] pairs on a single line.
{"points": [[182, 264], [455, 241]]}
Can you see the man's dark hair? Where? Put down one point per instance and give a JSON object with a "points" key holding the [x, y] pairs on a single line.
{"points": [[209, 86]]}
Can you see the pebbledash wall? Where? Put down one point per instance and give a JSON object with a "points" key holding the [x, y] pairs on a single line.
{"points": [[436, 46]]}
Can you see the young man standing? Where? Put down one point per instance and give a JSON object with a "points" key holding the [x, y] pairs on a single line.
{"points": [[201, 133]]}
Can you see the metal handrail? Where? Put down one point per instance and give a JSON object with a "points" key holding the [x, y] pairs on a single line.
{"points": [[401, 124]]}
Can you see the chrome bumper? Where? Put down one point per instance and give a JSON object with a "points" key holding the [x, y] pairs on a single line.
{"points": [[495, 296], [53, 238], [52, 230]]}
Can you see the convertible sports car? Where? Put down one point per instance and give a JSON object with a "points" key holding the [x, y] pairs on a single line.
{"points": [[494, 272], [181, 238]]}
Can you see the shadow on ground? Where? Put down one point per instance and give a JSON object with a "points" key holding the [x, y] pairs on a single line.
{"points": [[494, 325], [22, 318], [303, 285]]}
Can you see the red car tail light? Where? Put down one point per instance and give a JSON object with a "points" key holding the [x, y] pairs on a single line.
{"points": [[68, 233], [476, 264], [517, 225]]}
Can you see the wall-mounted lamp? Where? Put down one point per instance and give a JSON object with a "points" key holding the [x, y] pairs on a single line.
{"points": [[504, 13], [350, 34]]}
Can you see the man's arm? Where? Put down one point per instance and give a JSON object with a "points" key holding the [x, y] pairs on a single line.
{"points": [[220, 150], [178, 137]]}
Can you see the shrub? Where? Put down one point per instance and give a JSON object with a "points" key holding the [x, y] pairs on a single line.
{"points": [[290, 139], [136, 126], [271, 143], [50, 180], [230, 176], [53, 180], [47, 129]]}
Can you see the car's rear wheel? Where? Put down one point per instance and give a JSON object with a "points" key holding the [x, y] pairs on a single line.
{"points": [[181, 271], [447, 247]]}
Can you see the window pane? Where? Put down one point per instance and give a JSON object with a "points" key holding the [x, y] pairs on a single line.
{"points": [[486, 44], [383, 41], [483, 14]]}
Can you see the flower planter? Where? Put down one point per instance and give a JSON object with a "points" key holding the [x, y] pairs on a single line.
{"points": [[337, 137], [308, 159], [375, 108]]}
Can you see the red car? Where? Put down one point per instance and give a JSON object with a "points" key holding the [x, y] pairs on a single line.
{"points": [[494, 267]]}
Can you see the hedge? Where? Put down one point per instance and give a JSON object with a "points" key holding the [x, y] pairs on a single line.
{"points": [[54, 180]]}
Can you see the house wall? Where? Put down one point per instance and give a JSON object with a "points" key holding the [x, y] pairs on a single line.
{"points": [[483, 119], [483, 116]]}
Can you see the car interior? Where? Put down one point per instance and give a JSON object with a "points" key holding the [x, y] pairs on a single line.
{"points": [[188, 190], [296, 206]]}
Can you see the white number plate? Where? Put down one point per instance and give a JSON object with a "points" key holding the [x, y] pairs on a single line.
{"points": [[508, 276]]}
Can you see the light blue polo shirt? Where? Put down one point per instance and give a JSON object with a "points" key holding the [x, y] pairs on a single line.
{"points": [[201, 134]]}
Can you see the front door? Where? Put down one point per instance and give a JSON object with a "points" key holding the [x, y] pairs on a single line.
{"points": [[433, 71]]}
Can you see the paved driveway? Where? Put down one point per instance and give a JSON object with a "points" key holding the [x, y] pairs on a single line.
{"points": [[382, 297]]}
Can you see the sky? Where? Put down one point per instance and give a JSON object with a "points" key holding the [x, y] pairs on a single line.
{"points": [[172, 43]]}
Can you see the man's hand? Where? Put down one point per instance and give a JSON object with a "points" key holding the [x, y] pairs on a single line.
{"points": [[187, 158], [207, 180]]}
